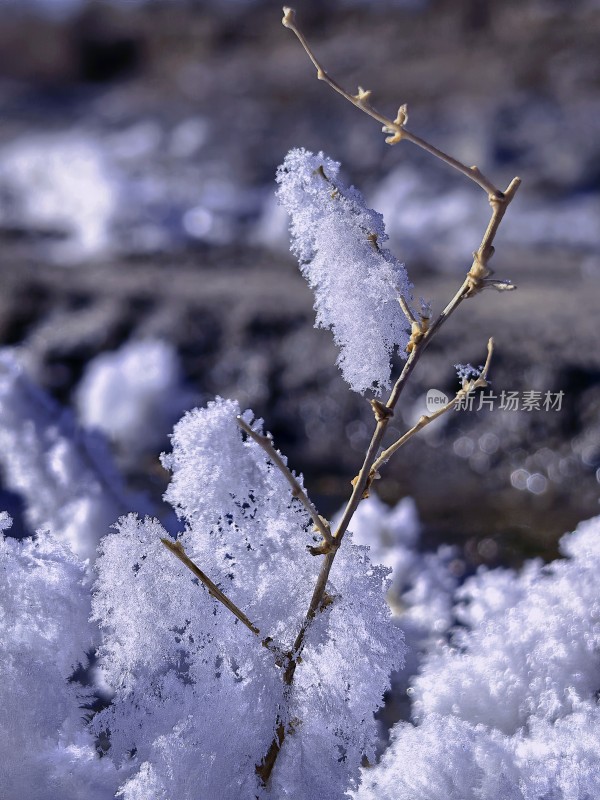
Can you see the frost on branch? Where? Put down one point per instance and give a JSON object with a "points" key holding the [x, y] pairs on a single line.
{"points": [[45, 752], [351, 650], [196, 693], [510, 708], [198, 698], [339, 244], [467, 372]]}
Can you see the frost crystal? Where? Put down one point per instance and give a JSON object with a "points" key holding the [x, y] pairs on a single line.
{"points": [[510, 708], [467, 372], [45, 754], [195, 691], [338, 242]]}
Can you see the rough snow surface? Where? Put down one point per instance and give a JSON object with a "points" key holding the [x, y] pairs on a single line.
{"points": [[509, 708]]}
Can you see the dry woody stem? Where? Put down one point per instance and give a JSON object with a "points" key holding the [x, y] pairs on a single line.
{"points": [[178, 551], [396, 127], [297, 491], [426, 419], [477, 279]]}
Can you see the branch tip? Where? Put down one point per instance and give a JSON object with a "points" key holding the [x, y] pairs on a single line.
{"points": [[488, 360], [289, 17], [380, 410], [323, 548], [512, 188]]}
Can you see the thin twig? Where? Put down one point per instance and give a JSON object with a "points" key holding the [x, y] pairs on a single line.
{"points": [[481, 381], [297, 491], [407, 310], [395, 127], [476, 279], [177, 549], [426, 419]]}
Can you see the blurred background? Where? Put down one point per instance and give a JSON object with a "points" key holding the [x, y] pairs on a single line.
{"points": [[144, 261]]}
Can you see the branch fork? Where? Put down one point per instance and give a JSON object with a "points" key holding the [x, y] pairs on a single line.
{"points": [[422, 332], [467, 387]]}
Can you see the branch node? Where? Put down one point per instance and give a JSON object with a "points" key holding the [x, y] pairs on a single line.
{"points": [[402, 115], [366, 490], [323, 548], [479, 271], [417, 331], [363, 96], [380, 410], [327, 600]]}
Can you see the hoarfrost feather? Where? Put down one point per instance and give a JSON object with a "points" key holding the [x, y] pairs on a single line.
{"points": [[195, 691], [338, 242]]}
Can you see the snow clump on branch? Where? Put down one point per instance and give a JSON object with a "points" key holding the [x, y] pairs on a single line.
{"points": [[357, 283], [196, 692]]}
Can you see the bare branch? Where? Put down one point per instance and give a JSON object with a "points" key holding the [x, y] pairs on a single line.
{"points": [[426, 419], [396, 127], [481, 381], [297, 491], [407, 310], [177, 549], [476, 279]]}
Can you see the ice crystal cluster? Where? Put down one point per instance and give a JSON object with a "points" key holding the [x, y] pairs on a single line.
{"points": [[192, 691], [509, 708], [338, 242], [196, 692]]}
